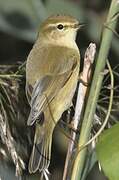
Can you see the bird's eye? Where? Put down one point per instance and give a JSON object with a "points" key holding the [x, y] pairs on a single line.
{"points": [[60, 26]]}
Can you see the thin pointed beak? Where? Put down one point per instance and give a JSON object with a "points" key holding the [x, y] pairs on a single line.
{"points": [[79, 25]]}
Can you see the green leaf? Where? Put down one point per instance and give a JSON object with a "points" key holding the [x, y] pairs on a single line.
{"points": [[108, 152]]}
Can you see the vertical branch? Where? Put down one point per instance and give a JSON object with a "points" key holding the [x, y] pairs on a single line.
{"points": [[85, 76], [94, 91]]}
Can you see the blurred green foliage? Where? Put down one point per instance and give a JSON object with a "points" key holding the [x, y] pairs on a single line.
{"points": [[22, 18]]}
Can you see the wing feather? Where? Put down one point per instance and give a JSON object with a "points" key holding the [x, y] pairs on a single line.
{"points": [[42, 94]]}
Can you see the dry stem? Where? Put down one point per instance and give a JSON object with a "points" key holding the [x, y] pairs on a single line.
{"points": [[85, 76]]}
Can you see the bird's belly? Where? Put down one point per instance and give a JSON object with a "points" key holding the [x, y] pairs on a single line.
{"points": [[64, 98]]}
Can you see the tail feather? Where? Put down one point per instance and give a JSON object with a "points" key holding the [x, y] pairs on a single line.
{"points": [[40, 156], [44, 161]]}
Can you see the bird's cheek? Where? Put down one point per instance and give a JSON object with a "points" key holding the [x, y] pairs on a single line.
{"points": [[55, 35]]}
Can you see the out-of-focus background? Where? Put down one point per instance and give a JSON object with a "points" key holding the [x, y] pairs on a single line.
{"points": [[19, 23]]}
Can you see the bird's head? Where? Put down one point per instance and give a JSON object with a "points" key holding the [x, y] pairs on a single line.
{"points": [[59, 28]]}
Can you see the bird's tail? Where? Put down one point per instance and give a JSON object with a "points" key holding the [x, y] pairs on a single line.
{"points": [[41, 152]]}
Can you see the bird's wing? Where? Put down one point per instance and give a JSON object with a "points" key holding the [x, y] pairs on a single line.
{"points": [[47, 87], [43, 93]]}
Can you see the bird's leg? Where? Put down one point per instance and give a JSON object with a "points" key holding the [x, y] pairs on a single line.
{"points": [[80, 79], [70, 126]]}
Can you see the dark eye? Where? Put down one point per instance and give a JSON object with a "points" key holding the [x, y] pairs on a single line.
{"points": [[60, 26]]}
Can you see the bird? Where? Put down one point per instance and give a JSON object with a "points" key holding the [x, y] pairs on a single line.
{"points": [[52, 71]]}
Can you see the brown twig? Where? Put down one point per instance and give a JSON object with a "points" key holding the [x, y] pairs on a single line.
{"points": [[85, 76]]}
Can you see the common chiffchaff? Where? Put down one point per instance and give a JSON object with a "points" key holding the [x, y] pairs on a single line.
{"points": [[51, 78]]}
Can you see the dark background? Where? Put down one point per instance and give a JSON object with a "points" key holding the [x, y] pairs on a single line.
{"points": [[19, 23]]}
